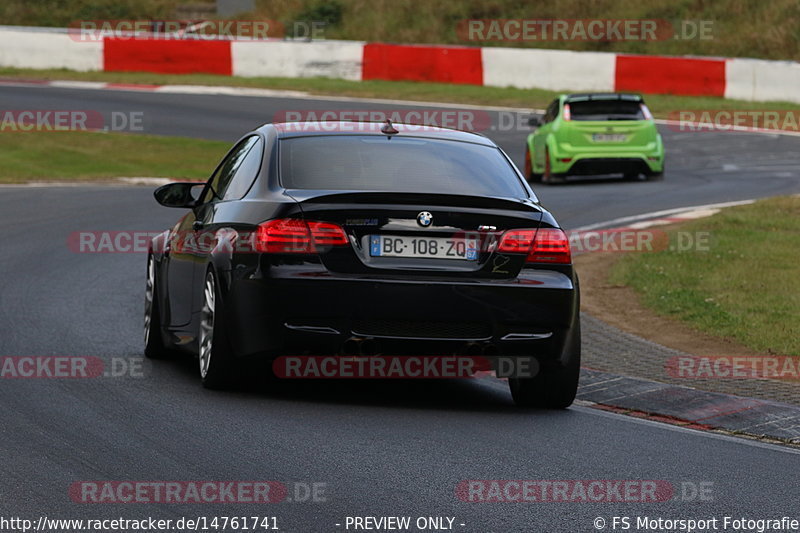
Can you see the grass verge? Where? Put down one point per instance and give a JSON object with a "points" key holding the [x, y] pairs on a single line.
{"points": [[660, 105], [63, 155], [744, 287]]}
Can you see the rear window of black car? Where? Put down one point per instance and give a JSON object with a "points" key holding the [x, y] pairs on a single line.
{"points": [[606, 110], [370, 163]]}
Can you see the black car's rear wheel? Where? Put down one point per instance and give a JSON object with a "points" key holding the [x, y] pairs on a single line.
{"points": [[554, 387], [153, 340], [214, 353]]}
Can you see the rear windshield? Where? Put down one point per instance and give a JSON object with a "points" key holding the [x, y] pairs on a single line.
{"points": [[606, 110], [371, 163]]}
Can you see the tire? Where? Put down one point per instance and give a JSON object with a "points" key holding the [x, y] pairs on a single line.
{"points": [[530, 175], [657, 176], [214, 354], [154, 347], [552, 388], [548, 177]]}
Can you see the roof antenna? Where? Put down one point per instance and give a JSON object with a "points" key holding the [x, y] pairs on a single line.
{"points": [[388, 129]]}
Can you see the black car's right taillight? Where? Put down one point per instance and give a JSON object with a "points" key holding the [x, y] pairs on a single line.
{"points": [[547, 245]]}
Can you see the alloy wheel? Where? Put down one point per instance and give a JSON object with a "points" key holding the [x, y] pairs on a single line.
{"points": [[149, 293], [207, 325]]}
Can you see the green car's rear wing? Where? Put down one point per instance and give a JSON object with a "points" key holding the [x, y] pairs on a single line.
{"points": [[628, 97]]}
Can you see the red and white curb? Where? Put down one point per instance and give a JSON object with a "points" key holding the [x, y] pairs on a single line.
{"points": [[690, 408], [661, 218]]}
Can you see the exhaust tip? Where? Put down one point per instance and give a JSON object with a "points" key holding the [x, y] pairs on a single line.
{"points": [[473, 349], [352, 346], [490, 350], [370, 347]]}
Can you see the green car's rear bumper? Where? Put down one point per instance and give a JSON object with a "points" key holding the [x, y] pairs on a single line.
{"points": [[568, 159]]}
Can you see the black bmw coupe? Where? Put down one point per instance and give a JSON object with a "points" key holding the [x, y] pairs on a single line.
{"points": [[368, 239]]}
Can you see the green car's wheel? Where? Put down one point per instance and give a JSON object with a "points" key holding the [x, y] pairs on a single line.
{"points": [[548, 176], [530, 175]]}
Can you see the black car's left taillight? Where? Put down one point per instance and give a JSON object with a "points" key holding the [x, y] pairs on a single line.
{"points": [[297, 236]]}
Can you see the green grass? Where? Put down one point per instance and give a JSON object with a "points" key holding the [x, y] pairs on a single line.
{"points": [[661, 105], [741, 28], [82, 156], [747, 287]]}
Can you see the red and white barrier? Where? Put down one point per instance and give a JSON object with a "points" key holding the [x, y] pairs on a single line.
{"points": [[760, 80], [287, 59], [167, 57], [526, 68], [556, 70], [445, 64], [34, 48], [670, 75]]}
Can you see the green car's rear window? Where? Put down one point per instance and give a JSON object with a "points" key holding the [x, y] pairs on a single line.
{"points": [[606, 110]]}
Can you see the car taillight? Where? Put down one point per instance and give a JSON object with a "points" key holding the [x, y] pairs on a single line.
{"points": [[517, 241], [548, 245], [295, 236], [567, 114], [327, 234]]}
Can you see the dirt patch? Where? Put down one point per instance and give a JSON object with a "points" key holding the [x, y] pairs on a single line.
{"points": [[621, 307]]}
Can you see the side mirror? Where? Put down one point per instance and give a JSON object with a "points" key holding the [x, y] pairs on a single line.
{"points": [[178, 194], [535, 121]]}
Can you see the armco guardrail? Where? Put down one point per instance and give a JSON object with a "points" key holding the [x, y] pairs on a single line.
{"points": [[743, 79]]}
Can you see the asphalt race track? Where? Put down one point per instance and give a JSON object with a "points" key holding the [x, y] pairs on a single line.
{"points": [[383, 449]]}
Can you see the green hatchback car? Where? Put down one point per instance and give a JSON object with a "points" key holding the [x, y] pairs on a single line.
{"points": [[592, 134]]}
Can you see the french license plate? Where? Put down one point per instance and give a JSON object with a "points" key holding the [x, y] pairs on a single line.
{"points": [[428, 247], [609, 137]]}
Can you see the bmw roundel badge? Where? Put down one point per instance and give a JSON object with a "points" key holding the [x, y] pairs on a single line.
{"points": [[424, 219]]}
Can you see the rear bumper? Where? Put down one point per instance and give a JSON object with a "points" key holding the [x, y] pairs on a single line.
{"points": [[582, 161], [587, 166], [297, 311]]}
